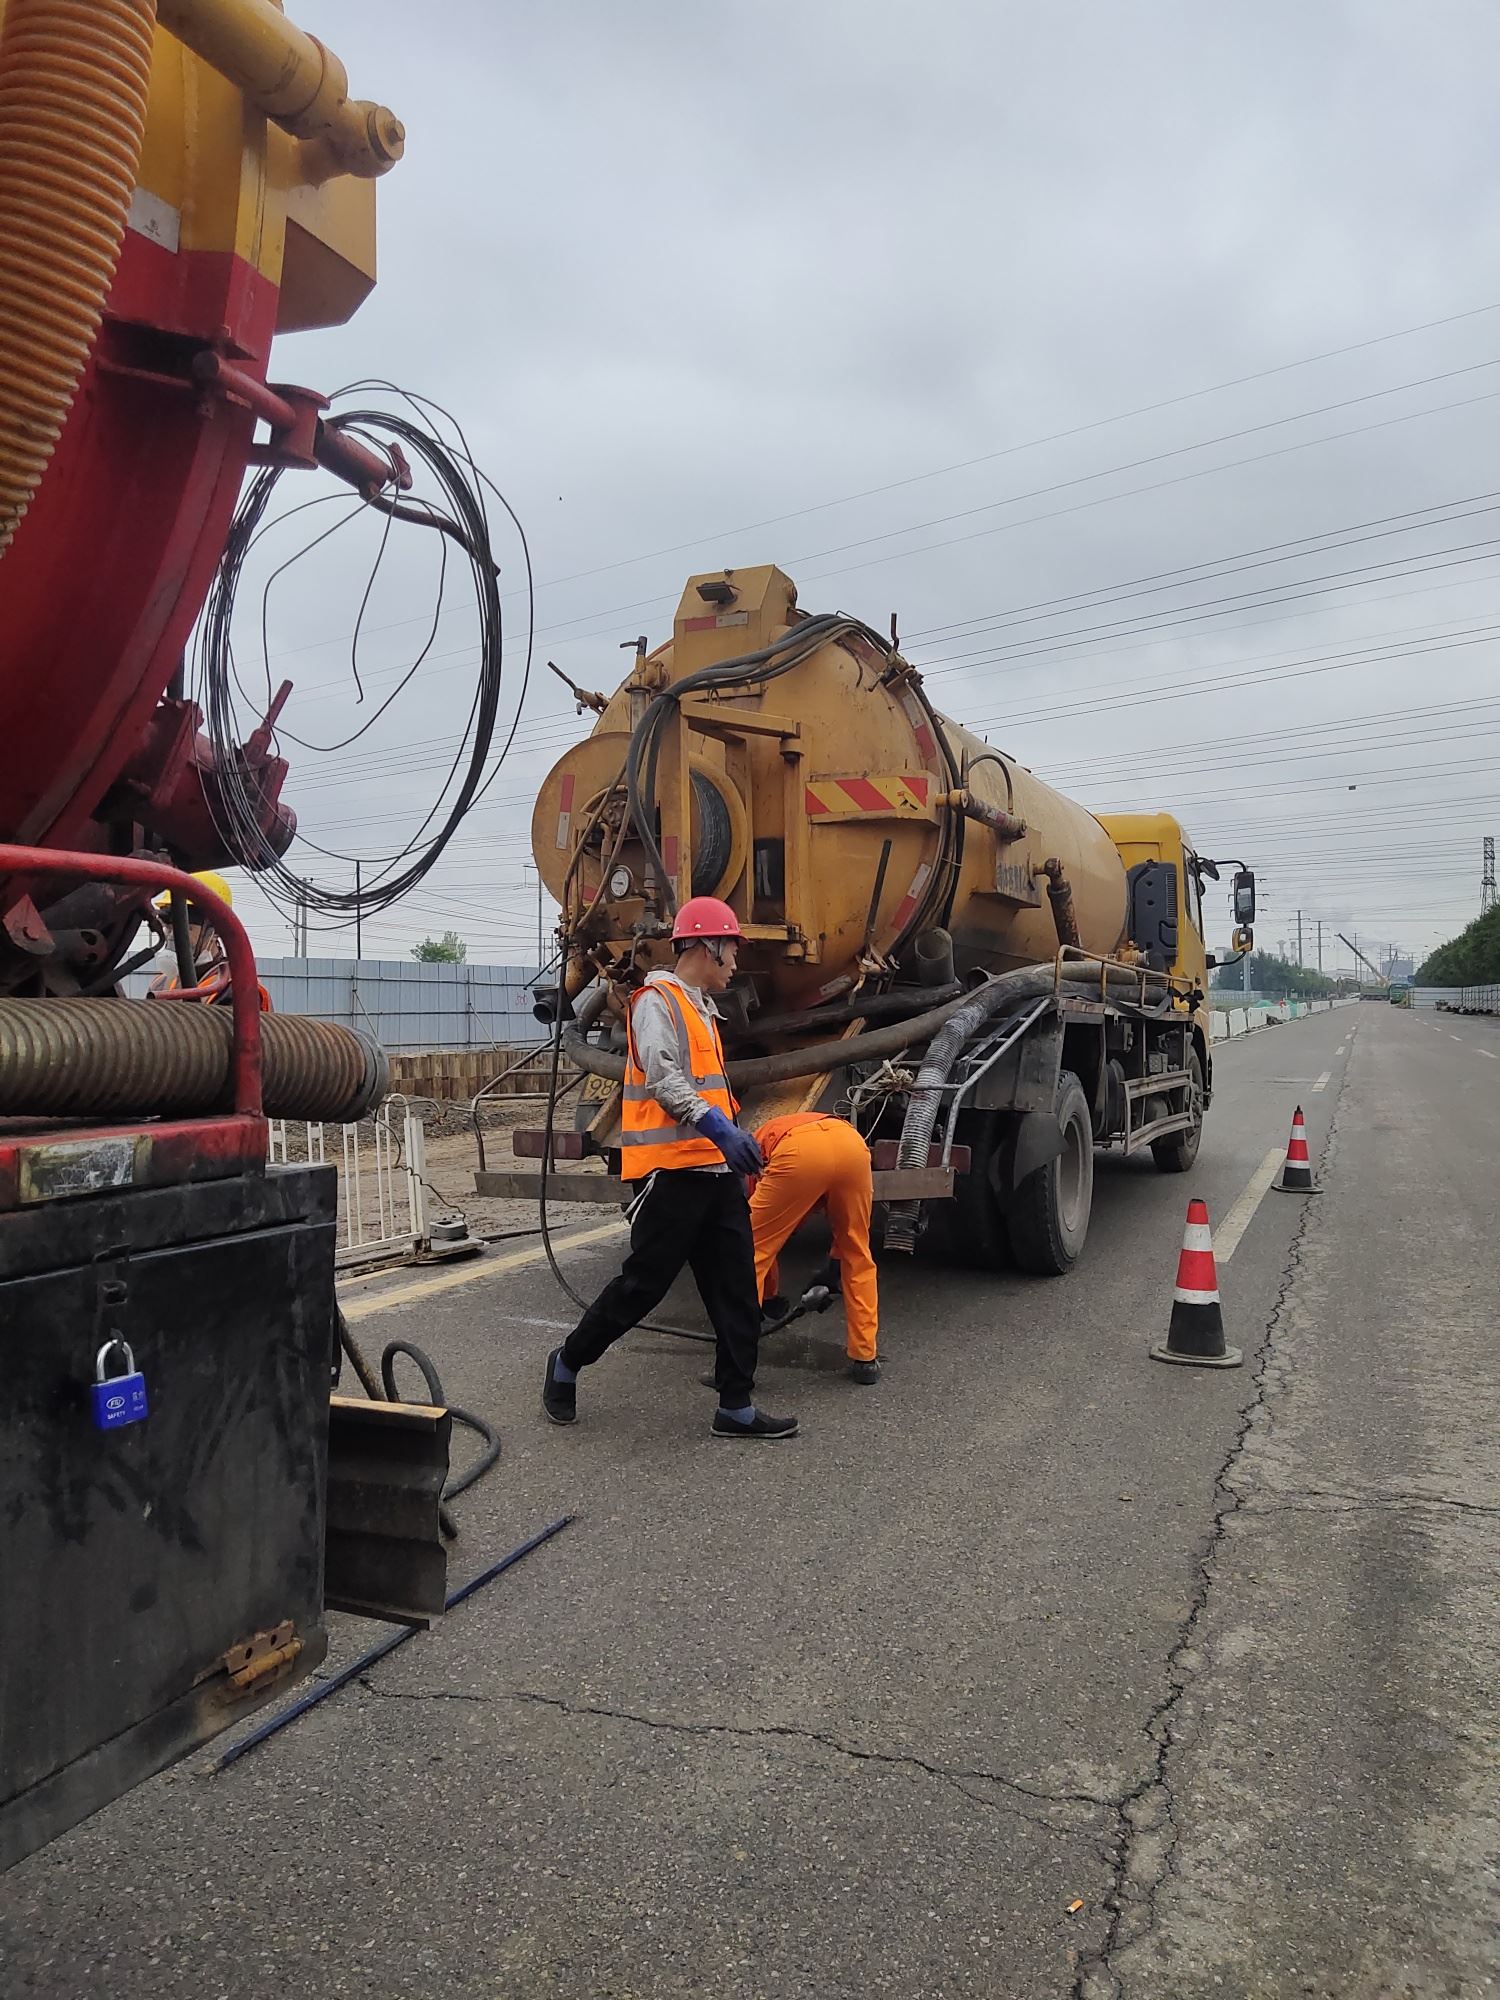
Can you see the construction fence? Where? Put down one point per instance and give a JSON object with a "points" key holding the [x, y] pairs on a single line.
{"points": [[403, 1004], [1232, 1021], [382, 1171]]}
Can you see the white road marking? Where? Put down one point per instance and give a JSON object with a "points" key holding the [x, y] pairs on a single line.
{"points": [[1322, 1082], [1232, 1228], [1455, 1038], [1340, 1049], [1488, 1052], [482, 1267]]}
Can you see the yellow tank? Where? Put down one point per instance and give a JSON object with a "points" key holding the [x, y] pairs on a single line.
{"points": [[825, 801]]}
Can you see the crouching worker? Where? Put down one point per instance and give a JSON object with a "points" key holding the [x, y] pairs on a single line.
{"points": [[685, 1154], [811, 1161]]}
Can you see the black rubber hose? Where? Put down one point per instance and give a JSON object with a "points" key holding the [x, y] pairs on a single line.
{"points": [[873, 1047], [942, 1052], [182, 941], [877, 1007], [490, 1456]]}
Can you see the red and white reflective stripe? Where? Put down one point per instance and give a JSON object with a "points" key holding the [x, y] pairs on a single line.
{"points": [[1297, 1147], [906, 909], [917, 717], [1197, 1273], [565, 809]]}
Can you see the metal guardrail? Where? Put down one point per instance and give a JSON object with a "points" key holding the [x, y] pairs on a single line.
{"points": [[382, 1169], [1474, 1000]]}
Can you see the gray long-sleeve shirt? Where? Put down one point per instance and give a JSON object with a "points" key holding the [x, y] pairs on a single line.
{"points": [[654, 1029]]}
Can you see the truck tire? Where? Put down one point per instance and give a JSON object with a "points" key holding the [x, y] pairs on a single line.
{"points": [[1048, 1216], [973, 1231], [1177, 1154]]}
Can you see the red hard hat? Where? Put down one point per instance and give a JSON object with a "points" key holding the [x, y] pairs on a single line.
{"points": [[704, 917]]}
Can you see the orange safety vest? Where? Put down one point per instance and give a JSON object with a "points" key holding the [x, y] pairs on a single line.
{"points": [[652, 1138]]}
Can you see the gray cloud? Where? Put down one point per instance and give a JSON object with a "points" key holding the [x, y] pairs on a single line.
{"points": [[680, 270]]}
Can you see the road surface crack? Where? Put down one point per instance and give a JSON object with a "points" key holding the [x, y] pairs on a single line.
{"points": [[1142, 1850], [1359, 1503], [958, 1776]]}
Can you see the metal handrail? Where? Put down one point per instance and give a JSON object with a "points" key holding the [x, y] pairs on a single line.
{"points": [[1016, 1028]]}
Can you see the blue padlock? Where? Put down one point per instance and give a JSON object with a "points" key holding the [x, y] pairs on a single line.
{"points": [[118, 1399]]}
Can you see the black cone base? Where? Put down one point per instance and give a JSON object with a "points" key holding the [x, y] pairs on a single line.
{"points": [[1195, 1338]]}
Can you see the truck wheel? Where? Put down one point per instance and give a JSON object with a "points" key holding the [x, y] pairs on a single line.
{"points": [[1177, 1154], [976, 1232], [1049, 1211]]}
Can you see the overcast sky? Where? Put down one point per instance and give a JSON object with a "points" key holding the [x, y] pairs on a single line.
{"points": [[872, 291]]}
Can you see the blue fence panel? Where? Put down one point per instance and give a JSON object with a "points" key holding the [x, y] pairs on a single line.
{"points": [[405, 1005]]}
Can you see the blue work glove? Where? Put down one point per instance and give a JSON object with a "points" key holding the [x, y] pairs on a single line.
{"points": [[738, 1148]]}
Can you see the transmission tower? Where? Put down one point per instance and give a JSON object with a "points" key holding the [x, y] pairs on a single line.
{"points": [[1487, 880]]}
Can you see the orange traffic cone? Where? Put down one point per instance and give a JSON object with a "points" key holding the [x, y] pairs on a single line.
{"points": [[1296, 1170], [1195, 1336]]}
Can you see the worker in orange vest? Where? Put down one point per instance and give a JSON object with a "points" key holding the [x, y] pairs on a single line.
{"points": [[680, 1146], [814, 1161]]}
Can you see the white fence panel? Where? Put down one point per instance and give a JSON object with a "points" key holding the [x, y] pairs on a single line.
{"points": [[382, 1170]]}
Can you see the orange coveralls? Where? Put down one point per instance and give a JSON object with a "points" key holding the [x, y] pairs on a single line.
{"points": [[811, 1159]]}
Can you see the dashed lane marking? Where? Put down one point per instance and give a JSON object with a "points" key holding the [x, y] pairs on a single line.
{"points": [[1322, 1082], [1232, 1228]]}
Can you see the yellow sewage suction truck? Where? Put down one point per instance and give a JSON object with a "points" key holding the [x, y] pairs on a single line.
{"points": [[988, 980]]}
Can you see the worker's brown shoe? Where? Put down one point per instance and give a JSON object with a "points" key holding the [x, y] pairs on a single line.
{"points": [[759, 1426], [865, 1372]]}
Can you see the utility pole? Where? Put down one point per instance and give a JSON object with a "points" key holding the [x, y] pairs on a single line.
{"points": [[1320, 946], [359, 917], [1487, 880], [1300, 959]]}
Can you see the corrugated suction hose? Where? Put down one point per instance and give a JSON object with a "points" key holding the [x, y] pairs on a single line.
{"points": [[138, 1058], [74, 76]]}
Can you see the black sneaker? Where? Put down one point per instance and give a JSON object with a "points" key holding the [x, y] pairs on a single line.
{"points": [[759, 1426], [559, 1399], [864, 1372]]}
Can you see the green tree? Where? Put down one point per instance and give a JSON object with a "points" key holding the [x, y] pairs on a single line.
{"points": [[1470, 959], [1269, 974], [449, 949]]}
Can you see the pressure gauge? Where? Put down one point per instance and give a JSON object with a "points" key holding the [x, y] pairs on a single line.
{"points": [[621, 882]]}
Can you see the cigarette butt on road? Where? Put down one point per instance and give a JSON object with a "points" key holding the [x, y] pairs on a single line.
{"points": [[1075, 1906]]}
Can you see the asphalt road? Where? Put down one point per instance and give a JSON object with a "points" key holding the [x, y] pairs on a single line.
{"points": [[1040, 1669]]}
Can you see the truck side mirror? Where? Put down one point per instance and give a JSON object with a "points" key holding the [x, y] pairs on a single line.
{"points": [[1244, 896]]}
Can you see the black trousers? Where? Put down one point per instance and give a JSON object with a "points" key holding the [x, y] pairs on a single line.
{"points": [[698, 1219]]}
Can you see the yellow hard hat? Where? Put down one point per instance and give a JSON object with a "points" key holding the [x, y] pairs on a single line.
{"points": [[215, 884]]}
